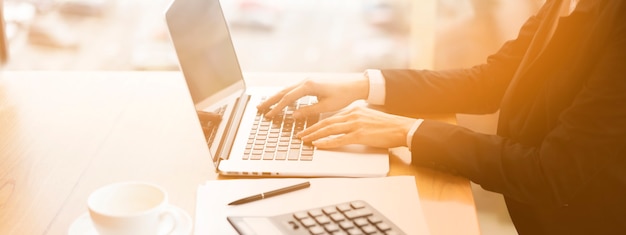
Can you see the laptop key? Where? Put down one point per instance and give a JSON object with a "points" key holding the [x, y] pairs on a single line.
{"points": [[293, 155], [255, 157], [268, 156], [281, 155], [271, 139]]}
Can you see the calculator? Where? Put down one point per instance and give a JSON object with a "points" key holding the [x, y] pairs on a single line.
{"points": [[349, 218]]}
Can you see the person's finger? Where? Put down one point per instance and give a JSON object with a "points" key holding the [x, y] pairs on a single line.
{"points": [[339, 128], [320, 124], [311, 110], [208, 117], [265, 105], [334, 142], [287, 99]]}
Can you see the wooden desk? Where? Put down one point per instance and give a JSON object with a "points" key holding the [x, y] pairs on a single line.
{"points": [[64, 134]]}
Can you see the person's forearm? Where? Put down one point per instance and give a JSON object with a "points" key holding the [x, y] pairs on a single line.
{"points": [[476, 90]]}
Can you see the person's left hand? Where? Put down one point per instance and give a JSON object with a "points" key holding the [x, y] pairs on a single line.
{"points": [[359, 125]]}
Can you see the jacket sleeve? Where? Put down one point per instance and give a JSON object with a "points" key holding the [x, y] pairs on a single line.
{"points": [[585, 147], [476, 90]]}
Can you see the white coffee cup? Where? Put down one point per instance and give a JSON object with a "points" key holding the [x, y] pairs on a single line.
{"points": [[131, 208]]}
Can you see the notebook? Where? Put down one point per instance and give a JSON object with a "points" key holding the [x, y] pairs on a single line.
{"points": [[240, 140]]}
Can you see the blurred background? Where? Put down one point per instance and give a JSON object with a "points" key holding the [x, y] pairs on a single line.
{"points": [[269, 35], [278, 36]]}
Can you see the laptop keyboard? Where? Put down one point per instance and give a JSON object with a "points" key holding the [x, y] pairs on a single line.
{"points": [[274, 139]]}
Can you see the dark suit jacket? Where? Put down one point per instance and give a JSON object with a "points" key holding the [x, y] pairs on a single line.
{"points": [[559, 157]]}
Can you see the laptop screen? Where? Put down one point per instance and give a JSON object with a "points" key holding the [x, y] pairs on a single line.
{"points": [[208, 61], [204, 48]]}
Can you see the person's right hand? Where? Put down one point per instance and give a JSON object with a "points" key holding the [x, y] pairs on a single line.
{"points": [[332, 95]]}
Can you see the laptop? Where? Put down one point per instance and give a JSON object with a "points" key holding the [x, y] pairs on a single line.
{"points": [[240, 140]]}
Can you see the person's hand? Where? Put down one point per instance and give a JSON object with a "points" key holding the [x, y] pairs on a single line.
{"points": [[209, 121], [208, 118], [359, 125], [331, 96]]}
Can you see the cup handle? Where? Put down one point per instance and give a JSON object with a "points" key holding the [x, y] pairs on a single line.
{"points": [[169, 217]]}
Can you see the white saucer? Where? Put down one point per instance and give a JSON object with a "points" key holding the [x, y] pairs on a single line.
{"points": [[83, 226]]}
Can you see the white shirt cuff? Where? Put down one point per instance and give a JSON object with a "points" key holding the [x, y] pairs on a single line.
{"points": [[409, 135], [377, 87]]}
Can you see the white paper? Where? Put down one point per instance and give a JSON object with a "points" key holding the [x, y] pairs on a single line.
{"points": [[395, 197]]}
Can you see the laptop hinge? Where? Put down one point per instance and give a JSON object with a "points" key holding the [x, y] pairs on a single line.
{"points": [[233, 126]]}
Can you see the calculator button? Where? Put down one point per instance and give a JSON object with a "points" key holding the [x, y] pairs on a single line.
{"points": [[361, 222], [369, 229], [315, 213], [344, 207], [316, 230], [322, 219], [349, 218], [331, 228], [346, 225], [383, 227], [337, 217], [357, 205], [358, 213], [300, 215], [374, 219], [355, 231], [308, 222], [329, 210]]}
